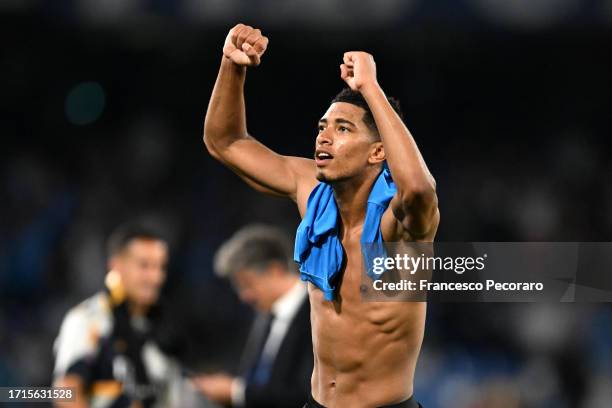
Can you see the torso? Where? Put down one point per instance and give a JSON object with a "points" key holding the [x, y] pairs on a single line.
{"points": [[365, 352], [92, 346]]}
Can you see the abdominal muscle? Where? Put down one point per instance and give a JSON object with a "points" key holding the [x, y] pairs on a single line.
{"points": [[365, 353]]}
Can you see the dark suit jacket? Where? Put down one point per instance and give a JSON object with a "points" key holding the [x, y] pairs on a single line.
{"points": [[289, 383]]}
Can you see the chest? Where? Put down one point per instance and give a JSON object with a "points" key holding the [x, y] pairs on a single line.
{"points": [[352, 266]]}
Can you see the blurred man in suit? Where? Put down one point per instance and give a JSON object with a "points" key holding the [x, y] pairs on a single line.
{"points": [[277, 360]]}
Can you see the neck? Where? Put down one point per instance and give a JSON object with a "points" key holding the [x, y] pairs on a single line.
{"points": [[284, 285], [137, 309], [287, 284], [352, 199]]}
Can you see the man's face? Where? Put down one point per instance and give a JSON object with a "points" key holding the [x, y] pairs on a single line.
{"points": [[142, 267], [256, 288], [344, 144]]}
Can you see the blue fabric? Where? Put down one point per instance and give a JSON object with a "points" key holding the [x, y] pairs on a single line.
{"points": [[318, 249]]}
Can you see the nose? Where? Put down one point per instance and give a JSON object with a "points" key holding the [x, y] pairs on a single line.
{"points": [[324, 138]]}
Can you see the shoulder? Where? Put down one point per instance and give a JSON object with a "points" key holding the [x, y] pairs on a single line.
{"points": [[95, 309], [81, 330], [305, 185]]}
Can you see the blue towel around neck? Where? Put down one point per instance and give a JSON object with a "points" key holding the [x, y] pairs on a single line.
{"points": [[318, 249]]}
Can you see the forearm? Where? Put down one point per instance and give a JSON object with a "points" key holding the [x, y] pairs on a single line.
{"points": [[225, 118], [410, 173]]}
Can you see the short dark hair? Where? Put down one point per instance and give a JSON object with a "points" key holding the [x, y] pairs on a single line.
{"points": [[124, 234], [356, 98], [254, 246]]}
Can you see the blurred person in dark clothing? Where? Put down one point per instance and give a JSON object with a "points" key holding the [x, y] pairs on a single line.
{"points": [[105, 348], [277, 360]]}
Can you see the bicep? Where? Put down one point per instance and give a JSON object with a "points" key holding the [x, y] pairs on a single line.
{"points": [[266, 170]]}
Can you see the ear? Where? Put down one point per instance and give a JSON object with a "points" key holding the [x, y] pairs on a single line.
{"points": [[276, 269], [377, 153]]}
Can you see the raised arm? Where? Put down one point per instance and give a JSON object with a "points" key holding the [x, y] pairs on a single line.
{"points": [[225, 131], [415, 206]]}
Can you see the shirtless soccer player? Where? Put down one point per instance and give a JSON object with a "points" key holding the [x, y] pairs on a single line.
{"points": [[365, 353]]}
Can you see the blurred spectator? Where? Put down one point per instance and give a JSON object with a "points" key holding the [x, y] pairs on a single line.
{"points": [[277, 360], [105, 349]]}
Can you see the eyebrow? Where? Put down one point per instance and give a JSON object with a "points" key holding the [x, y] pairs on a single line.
{"points": [[339, 120]]}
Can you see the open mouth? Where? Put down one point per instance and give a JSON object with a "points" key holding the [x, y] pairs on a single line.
{"points": [[322, 158]]}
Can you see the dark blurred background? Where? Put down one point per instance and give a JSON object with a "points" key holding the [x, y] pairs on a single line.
{"points": [[102, 103]]}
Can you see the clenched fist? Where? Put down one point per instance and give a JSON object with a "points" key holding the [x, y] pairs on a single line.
{"points": [[358, 70], [245, 45]]}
